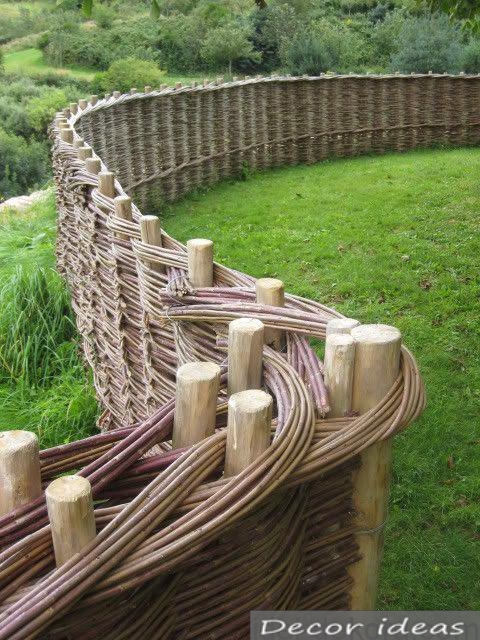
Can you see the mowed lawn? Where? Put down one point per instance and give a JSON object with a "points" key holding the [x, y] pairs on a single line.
{"points": [[393, 239], [31, 62]]}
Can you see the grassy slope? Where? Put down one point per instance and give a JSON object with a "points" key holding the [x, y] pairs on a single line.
{"points": [[44, 386], [392, 239], [31, 62]]}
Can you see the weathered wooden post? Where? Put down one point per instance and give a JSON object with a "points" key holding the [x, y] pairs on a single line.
{"points": [[377, 364], [200, 262], [93, 165], [106, 184], [151, 233], [93, 99], [245, 349], [248, 429], [20, 478], [339, 363], [123, 210], [84, 152], [271, 291], [196, 395], [66, 135], [341, 325], [71, 515]]}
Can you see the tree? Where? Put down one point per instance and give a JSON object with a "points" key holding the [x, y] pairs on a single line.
{"points": [[226, 44], [467, 10]]}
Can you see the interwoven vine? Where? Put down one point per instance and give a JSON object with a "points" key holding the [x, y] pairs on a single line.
{"points": [[181, 551]]}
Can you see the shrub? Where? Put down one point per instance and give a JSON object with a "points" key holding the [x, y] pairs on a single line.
{"points": [[227, 44], [471, 57], [131, 72], [308, 54], [430, 43], [23, 164], [41, 110], [13, 117], [104, 16]]}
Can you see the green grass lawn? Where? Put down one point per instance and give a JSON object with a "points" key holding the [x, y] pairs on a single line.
{"points": [[31, 62], [393, 239]]}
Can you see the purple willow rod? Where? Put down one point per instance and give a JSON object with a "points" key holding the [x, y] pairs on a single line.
{"points": [[315, 376]]}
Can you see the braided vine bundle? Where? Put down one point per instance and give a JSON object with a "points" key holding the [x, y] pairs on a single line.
{"points": [[181, 550]]}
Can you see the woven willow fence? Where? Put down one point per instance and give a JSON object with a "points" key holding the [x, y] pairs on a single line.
{"points": [[272, 498]]}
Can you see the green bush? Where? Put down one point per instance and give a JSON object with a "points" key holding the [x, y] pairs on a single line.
{"points": [[430, 43], [13, 117], [124, 74], [23, 164], [41, 110], [471, 57], [308, 54]]}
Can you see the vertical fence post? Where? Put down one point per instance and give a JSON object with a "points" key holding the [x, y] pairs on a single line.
{"points": [[66, 135], [377, 364], [20, 479], [93, 165], [200, 262], [123, 210], [71, 515], [245, 350], [151, 233], [339, 362], [106, 184], [248, 429], [93, 99], [196, 395], [272, 292], [341, 325]]}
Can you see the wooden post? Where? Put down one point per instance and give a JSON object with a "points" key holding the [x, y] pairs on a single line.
{"points": [[117, 94], [73, 107], [200, 262], [248, 429], [123, 210], [272, 292], [106, 184], [341, 325], [196, 395], [245, 351], [93, 165], [338, 362], [78, 142], [66, 135], [377, 363], [151, 233], [20, 479], [133, 91], [82, 104], [72, 519], [147, 88], [84, 152], [93, 99]]}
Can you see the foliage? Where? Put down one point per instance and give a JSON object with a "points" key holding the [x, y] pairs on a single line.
{"points": [[463, 9], [41, 110], [309, 54], [23, 165], [227, 44], [471, 56], [126, 73], [428, 43]]}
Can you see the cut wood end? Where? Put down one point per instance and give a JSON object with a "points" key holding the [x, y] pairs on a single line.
{"points": [[250, 401], [341, 325], [376, 334], [269, 283], [199, 243], [198, 372], [246, 326], [16, 440], [68, 489]]}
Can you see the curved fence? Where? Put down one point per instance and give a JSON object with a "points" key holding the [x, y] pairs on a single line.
{"points": [[300, 526]]}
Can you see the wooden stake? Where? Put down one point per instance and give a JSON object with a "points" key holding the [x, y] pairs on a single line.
{"points": [[248, 429], [272, 292], [338, 362], [123, 210], [151, 233], [20, 479], [133, 91], [84, 152], [147, 88], [377, 363], [117, 94], [82, 104], [93, 100], [196, 395], [93, 165], [66, 135], [245, 351], [72, 519], [341, 325], [106, 184], [78, 142], [73, 107], [200, 262]]}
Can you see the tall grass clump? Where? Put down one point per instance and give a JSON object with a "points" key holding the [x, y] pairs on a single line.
{"points": [[44, 384]]}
